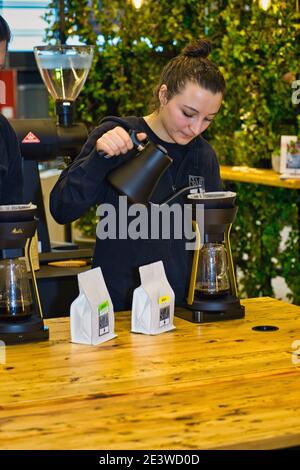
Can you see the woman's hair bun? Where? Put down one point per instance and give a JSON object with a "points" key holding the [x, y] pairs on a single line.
{"points": [[199, 48]]}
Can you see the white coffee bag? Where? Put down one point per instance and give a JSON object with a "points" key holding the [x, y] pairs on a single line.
{"points": [[153, 302], [92, 313]]}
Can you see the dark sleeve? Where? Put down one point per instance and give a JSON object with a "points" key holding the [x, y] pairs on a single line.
{"points": [[10, 166], [83, 183]]}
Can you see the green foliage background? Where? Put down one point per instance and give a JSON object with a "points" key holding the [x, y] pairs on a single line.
{"points": [[258, 52]]}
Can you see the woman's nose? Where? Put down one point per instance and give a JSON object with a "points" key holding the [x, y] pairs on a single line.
{"points": [[196, 127]]}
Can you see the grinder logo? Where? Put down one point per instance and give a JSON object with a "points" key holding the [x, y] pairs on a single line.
{"points": [[31, 139]]}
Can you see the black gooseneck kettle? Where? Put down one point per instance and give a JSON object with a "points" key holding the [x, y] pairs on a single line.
{"points": [[138, 177]]}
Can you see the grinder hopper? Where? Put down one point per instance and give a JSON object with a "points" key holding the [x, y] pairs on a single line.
{"points": [[64, 70]]}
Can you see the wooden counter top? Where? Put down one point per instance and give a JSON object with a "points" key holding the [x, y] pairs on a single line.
{"points": [[218, 385], [246, 174]]}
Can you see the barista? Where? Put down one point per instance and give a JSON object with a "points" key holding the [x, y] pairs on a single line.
{"points": [[186, 99], [11, 177]]}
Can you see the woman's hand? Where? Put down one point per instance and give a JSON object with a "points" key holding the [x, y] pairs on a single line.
{"points": [[117, 141]]}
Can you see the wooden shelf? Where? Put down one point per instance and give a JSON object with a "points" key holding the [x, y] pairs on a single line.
{"points": [[246, 174]]}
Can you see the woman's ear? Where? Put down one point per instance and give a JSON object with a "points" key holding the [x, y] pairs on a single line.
{"points": [[163, 95]]}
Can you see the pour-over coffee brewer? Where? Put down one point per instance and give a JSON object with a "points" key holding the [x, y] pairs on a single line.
{"points": [[212, 293], [21, 317]]}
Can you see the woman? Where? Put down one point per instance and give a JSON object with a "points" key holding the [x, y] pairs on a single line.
{"points": [[11, 176], [186, 100]]}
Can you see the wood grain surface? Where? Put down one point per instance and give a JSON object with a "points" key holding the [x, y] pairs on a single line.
{"points": [[212, 386], [246, 174]]}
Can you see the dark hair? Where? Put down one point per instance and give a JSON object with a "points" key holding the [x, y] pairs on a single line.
{"points": [[191, 65], [5, 34]]}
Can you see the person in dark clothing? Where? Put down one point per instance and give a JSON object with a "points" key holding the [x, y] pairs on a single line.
{"points": [[186, 99], [11, 176]]}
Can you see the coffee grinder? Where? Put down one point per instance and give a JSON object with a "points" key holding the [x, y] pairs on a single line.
{"points": [[21, 317], [212, 294], [64, 70]]}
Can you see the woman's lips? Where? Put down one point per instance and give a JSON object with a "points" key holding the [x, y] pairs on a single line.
{"points": [[187, 136]]}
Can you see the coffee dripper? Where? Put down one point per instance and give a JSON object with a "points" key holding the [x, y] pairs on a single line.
{"points": [[212, 293], [21, 317]]}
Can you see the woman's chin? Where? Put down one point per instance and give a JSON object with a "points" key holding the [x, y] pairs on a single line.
{"points": [[183, 139]]}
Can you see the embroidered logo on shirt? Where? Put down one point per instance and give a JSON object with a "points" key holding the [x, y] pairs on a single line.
{"points": [[195, 180]]}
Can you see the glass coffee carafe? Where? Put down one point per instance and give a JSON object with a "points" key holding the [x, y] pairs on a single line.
{"points": [[212, 276], [15, 294]]}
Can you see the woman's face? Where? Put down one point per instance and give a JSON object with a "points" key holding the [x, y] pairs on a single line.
{"points": [[188, 113]]}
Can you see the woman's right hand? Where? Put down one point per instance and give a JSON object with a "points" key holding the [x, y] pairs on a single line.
{"points": [[117, 141]]}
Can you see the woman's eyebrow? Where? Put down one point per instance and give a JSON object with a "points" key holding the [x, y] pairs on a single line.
{"points": [[191, 108], [196, 110]]}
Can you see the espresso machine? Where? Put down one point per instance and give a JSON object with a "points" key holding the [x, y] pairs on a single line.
{"points": [[21, 316], [212, 293]]}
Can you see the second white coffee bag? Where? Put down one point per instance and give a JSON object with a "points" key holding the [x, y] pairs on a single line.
{"points": [[153, 302]]}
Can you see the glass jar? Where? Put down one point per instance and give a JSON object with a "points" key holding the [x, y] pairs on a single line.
{"points": [[212, 276], [15, 293]]}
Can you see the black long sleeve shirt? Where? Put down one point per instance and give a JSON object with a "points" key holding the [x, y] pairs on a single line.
{"points": [[84, 184], [11, 174]]}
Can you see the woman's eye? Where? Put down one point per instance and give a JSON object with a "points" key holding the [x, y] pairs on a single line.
{"points": [[187, 115]]}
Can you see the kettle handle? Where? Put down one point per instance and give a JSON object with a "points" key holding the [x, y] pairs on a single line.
{"points": [[137, 144]]}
